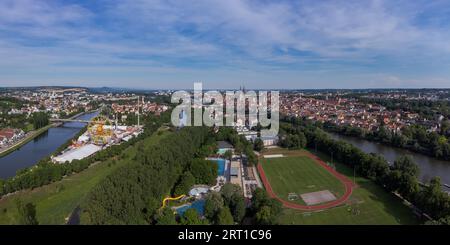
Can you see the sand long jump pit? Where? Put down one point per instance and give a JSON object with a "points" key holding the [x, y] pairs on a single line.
{"points": [[317, 197], [273, 156]]}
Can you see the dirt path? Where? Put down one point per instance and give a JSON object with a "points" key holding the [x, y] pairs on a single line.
{"points": [[340, 201]]}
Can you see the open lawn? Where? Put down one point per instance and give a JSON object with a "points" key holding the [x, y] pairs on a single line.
{"points": [[55, 202], [369, 204], [299, 174]]}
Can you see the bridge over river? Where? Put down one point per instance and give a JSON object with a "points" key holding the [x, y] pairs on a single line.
{"points": [[43, 145], [70, 120]]}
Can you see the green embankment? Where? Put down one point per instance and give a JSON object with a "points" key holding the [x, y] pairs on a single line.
{"points": [[55, 202]]}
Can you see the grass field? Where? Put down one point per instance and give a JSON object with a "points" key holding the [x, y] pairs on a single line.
{"points": [[299, 174], [369, 203], [56, 201]]}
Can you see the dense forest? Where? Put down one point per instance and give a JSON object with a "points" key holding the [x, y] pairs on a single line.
{"points": [[401, 178]]}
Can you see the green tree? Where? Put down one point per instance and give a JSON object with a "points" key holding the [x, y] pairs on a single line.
{"points": [[39, 120], [441, 221], [433, 201], [224, 217], [239, 147], [264, 216], [187, 180], [293, 141], [259, 198], [234, 199], [258, 145], [2, 187], [399, 140], [384, 134], [131, 119], [165, 217], [228, 155], [27, 213], [238, 208], [252, 159], [204, 171], [265, 209], [191, 217], [406, 165], [228, 191], [213, 203], [445, 127]]}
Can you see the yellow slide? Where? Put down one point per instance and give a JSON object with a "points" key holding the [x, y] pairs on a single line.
{"points": [[171, 199]]}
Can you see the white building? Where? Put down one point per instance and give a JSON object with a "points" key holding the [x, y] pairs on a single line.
{"points": [[77, 153], [270, 140]]}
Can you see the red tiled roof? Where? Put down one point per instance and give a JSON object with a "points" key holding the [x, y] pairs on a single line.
{"points": [[7, 133]]}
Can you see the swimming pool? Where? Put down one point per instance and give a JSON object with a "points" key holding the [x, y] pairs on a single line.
{"points": [[221, 163], [199, 205], [221, 151]]}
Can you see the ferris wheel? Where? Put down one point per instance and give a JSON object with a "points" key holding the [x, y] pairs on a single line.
{"points": [[100, 130]]}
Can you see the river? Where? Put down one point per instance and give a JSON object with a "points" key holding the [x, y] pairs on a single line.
{"points": [[41, 146], [429, 167]]}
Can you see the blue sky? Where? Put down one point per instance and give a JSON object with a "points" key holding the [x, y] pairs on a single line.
{"points": [[226, 43]]}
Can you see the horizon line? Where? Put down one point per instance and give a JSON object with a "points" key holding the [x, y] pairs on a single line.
{"points": [[137, 88]]}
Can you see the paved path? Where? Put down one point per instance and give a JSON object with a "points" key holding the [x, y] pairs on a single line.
{"points": [[341, 200]]}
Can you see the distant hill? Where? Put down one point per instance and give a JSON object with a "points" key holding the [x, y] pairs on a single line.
{"points": [[100, 90], [103, 90]]}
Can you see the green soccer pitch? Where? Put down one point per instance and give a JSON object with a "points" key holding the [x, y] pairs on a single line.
{"points": [[299, 174], [368, 203]]}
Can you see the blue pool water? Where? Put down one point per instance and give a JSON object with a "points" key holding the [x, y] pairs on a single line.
{"points": [[199, 205], [221, 163], [221, 151]]}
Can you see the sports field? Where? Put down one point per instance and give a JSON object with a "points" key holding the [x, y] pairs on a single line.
{"points": [[299, 175], [368, 204]]}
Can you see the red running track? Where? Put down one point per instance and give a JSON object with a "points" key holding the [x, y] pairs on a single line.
{"points": [[341, 200]]}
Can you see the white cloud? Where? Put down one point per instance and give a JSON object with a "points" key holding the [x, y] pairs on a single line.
{"points": [[246, 36]]}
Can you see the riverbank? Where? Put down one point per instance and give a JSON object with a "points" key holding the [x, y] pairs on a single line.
{"points": [[44, 143], [35, 133], [415, 148], [429, 167]]}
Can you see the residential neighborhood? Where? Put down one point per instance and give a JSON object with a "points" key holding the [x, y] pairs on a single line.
{"points": [[9, 136], [344, 111]]}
